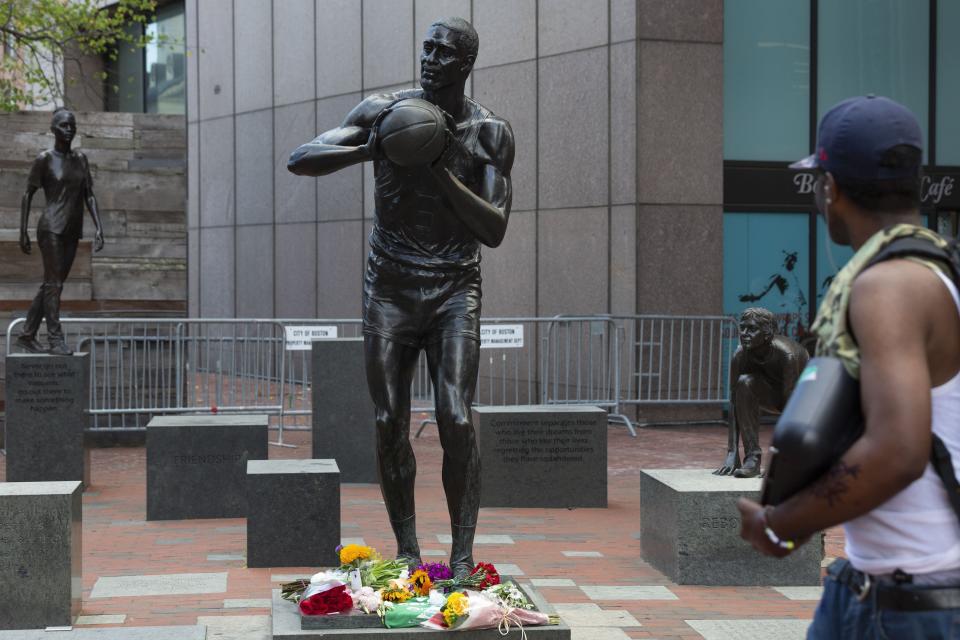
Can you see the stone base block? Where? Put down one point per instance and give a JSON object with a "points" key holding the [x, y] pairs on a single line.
{"points": [[343, 414], [287, 626], [690, 531], [40, 554], [197, 464], [546, 456], [293, 514], [47, 402]]}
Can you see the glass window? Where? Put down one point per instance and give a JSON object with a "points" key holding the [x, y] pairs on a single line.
{"points": [[151, 79], [830, 259], [125, 77], [948, 82], [766, 263], [766, 79], [874, 46], [165, 64]]}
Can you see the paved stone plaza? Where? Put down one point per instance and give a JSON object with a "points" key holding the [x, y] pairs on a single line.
{"points": [[585, 562]]}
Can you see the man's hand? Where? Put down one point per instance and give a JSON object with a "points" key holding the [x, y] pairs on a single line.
{"points": [[731, 464], [25, 242], [753, 529], [98, 240]]}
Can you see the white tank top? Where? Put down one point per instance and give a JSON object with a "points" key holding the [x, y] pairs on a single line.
{"points": [[916, 530]]}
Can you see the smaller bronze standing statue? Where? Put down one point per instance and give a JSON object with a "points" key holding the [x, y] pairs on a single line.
{"points": [[64, 176], [763, 373]]}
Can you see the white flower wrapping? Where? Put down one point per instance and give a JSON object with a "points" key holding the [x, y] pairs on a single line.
{"points": [[334, 575], [485, 612]]}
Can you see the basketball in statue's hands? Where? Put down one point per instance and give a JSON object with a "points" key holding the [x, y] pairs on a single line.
{"points": [[413, 133]]}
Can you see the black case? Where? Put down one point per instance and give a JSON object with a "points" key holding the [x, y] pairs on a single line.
{"points": [[821, 421]]}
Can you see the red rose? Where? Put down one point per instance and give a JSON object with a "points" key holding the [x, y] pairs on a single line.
{"points": [[491, 576], [335, 600]]}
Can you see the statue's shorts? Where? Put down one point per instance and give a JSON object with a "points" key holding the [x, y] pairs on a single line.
{"points": [[417, 307]]}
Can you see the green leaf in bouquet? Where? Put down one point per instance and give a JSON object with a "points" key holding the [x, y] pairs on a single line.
{"points": [[379, 573], [409, 614]]}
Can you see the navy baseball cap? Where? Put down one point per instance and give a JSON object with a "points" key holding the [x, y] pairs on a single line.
{"points": [[855, 135]]}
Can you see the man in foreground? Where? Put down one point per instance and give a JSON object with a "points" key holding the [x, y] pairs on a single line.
{"points": [[896, 327]]}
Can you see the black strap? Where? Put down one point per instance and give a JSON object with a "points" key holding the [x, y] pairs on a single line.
{"points": [[949, 257], [919, 248], [943, 465]]}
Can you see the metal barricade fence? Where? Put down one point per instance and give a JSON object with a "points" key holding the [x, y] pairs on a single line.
{"points": [[677, 359], [140, 367]]}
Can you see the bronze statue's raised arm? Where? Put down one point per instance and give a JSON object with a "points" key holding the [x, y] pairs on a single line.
{"points": [[346, 145], [486, 215]]}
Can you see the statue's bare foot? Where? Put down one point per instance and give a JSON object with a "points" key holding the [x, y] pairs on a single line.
{"points": [[750, 468], [730, 465]]}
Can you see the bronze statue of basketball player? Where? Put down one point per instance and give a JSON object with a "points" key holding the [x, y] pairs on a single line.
{"points": [[763, 373], [64, 176], [422, 284]]}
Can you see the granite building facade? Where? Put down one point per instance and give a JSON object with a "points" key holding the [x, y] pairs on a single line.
{"points": [[616, 106]]}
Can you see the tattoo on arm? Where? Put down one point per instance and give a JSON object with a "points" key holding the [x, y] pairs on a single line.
{"points": [[834, 483]]}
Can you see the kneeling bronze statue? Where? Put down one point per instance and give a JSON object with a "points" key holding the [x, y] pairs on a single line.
{"points": [[763, 373]]}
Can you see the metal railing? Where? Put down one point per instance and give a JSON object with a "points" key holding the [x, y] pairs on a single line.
{"points": [[141, 367], [677, 359]]}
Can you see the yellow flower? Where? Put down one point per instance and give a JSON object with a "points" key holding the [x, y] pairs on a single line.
{"points": [[352, 552], [449, 617], [456, 607], [395, 593], [458, 603], [420, 580]]}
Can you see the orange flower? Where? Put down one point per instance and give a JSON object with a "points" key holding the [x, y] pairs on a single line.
{"points": [[420, 581]]}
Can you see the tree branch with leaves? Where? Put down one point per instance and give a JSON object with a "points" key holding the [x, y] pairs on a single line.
{"points": [[40, 37]]}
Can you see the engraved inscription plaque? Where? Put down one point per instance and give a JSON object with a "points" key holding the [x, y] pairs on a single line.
{"points": [[542, 456], [47, 402]]}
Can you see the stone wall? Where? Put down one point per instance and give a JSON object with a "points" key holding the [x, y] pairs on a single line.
{"points": [[139, 174]]}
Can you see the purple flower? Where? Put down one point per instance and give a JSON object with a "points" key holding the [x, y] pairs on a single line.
{"points": [[339, 547], [437, 571]]}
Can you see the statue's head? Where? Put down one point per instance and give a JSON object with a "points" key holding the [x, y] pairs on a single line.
{"points": [[449, 51], [757, 326], [63, 125]]}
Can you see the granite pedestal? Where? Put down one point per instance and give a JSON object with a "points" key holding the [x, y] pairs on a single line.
{"points": [[690, 531], [197, 464], [546, 456], [47, 402], [293, 516], [287, 625], [40, 554], [344, 418]]}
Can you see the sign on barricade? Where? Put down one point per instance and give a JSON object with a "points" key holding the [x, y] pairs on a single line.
{"points": [[299, 338], [501, 336]]}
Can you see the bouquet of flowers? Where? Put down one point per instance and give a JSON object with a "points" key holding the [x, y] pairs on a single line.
{"points": [[508, 595], [366, 600], [325, 599], [374, 571], [484, 575], [411, 613], [475, 610]]}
